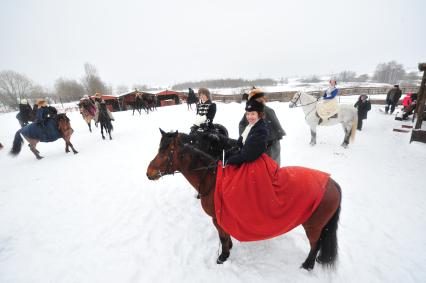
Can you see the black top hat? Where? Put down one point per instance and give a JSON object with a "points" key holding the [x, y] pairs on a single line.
{"points": [[254, 105]]}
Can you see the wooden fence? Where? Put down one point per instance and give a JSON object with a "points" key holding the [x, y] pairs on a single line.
{"points": [[285, 96]]}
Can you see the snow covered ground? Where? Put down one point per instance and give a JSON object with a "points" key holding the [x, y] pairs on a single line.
{"points": [[95, 217]]}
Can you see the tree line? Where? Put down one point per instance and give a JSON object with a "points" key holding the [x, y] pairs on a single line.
{"points": [[14, 86]]}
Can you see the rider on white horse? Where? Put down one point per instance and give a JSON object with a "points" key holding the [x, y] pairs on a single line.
{"points": [[328, 106]]}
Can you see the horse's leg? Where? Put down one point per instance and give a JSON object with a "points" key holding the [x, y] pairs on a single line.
{"points": [[321, 228], [347, 131], [226, 242], [32, 145], [102, 130], [313, 136], [68, 143]]}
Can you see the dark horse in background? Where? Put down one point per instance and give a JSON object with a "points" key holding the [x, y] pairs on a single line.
{"points": [[63, 127], [176, 155], [149, 102], [192, 98], [105, 120]]}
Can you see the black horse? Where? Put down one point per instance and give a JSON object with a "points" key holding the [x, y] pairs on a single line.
{"points": [[105, 120], [213, 142], [192, 98]]}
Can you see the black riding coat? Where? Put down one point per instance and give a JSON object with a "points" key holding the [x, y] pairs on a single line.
{"points": [[25, 112], [393, 96], [276, 132], [254, 146], [207, 109], [363, 107]]}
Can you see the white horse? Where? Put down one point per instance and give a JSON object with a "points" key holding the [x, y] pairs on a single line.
{"points": [[347, 116]]}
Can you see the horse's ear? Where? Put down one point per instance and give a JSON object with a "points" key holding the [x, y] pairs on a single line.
{"points": [[162, 132]]}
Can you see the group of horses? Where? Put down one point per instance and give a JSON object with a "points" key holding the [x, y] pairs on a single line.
{"points": [[197, 156], [145, 102]]}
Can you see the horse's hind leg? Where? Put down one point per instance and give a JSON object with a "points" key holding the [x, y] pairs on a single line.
{"points": [[90, 126], [321, 227]]}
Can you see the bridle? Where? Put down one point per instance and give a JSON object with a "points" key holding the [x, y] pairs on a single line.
{"points": [[301, 105], [169, 166]]}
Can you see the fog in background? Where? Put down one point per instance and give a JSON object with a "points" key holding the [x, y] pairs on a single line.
{"points": [[164, 42]]}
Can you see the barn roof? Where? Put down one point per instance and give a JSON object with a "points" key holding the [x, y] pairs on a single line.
{"points": [[168, 92]]}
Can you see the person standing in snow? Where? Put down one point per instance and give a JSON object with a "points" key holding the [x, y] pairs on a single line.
{"points": [[392, 99], [363, 105]]}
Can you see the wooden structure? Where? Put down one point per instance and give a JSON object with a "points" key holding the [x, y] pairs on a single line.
{"points": [[110, 101], [126, 100], [169, 97], [419, 134]]}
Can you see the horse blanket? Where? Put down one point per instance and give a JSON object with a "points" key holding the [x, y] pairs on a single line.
{"points": [[259, 200], [47, 132], [327, 108]]}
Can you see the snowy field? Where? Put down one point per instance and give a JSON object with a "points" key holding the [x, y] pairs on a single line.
{"points": [[95, 217]]}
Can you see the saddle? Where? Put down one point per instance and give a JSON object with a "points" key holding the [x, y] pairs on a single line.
{"points": [[321, 120]]}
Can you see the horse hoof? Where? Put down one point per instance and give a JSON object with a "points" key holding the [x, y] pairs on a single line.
{"points": [[222, 258], [75, 152], [40, 157], [306, 266], [344, 145]]}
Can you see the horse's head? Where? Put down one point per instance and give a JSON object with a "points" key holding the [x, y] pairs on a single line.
{"points": [[295, 99], [166, 161]]}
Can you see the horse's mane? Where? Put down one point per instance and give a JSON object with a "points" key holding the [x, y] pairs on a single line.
{"points": [[62, 116], [185, 144]]}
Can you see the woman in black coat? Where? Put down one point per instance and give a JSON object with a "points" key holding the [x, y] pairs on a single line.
{"points": [[275, 130], [253, 141], [363, 105]]}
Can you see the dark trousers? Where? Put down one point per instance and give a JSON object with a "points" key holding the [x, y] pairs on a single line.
{"points": [[391, 106], [359, 127]]}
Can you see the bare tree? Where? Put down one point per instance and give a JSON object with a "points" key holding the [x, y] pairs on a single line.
{"points": [[362, 78], [91, 81], [346, 76], [13, 87], [122, 89], [311, 79], [68, 90], [390, 72], [140, 87]]}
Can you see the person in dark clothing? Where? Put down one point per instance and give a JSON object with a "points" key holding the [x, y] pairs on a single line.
{"points": [[252, 143], [25, 112], [392, 99], [206, 110], [363, 105], [45, 126], [275, 130]]}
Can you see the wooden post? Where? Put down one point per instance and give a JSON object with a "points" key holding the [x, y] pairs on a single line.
{"points": [[421, 98]]}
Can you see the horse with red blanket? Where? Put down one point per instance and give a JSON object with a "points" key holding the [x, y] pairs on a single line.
{"points": [[257, 200]]}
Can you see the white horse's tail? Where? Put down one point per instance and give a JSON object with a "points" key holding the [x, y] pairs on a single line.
{"points": [[354, 126]]}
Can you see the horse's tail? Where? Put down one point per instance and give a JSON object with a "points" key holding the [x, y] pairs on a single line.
{"points": [[328, 239], [354, 126], [17, 143]]}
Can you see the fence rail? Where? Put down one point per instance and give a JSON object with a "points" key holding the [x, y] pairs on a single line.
{"points": [[285, 96]]}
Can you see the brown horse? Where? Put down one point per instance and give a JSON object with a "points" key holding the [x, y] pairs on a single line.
{"points": [[1, 146], [199, 169], [64, 128]]}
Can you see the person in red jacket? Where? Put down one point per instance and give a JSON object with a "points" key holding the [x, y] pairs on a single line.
{"points": [[406, 102]]}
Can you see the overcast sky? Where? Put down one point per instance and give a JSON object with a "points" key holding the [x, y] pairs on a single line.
{"points": [[163, 42]]}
